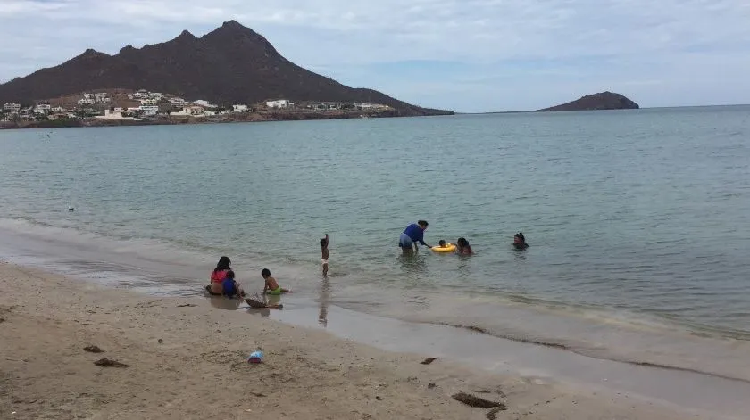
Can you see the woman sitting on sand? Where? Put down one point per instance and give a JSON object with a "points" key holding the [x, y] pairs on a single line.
{"points": [[218, 276]]}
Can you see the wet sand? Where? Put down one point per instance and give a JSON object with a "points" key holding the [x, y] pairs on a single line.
{"points": [[186, 359]]}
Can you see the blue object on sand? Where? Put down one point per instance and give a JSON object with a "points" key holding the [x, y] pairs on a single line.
{"points": [[255, 357]]}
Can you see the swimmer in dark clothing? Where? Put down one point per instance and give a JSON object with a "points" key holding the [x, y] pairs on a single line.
{"points": [[519, 241]]}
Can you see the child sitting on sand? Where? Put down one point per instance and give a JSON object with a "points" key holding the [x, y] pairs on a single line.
{"points": [[271, 286], [324, 254], [229, 286]]}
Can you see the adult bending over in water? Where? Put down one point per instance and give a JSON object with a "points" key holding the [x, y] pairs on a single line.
{"points": [[412, 235], [463, 247], [218, 275]]}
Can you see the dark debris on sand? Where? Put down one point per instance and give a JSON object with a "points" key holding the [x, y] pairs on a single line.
{"points": [[477, 402], [93, 349], [428, 360], [109, 363], [492, 414]]}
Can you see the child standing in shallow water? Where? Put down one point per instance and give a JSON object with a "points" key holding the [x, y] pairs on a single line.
{"points": [[271, 286], [324, 254]]}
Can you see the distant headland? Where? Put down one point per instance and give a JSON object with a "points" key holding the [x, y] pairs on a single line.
{"points": [[597, 102]]}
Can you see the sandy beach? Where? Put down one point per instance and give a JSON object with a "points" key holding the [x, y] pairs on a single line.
{"points": [[187, 359]]}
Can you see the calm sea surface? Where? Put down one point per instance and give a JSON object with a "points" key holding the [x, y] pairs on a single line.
{"points": [[639, 221]]}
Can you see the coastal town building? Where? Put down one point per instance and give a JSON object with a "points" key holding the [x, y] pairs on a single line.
{"points": [[176, 101], [42, 108], [205, 104], [149, 110], [12, 107], [239, 108], [115, 114], [102, 98], [190, 111], [280, 103], [60, 116], [140, 94], [364, 106]]}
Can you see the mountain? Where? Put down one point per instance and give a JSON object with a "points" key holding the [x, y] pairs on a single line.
{"points": [[231, 64], [596, 102]]}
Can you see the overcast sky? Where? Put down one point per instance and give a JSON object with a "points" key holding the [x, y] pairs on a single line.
{"points": [[466, 55]]}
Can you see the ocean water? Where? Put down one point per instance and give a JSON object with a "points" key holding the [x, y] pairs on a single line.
{"points": [[637, 220]]}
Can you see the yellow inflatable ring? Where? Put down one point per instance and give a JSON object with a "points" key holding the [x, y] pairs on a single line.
{"points": [[446, 248]]}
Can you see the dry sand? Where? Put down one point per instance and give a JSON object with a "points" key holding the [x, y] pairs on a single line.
{"points": [[188, 362]]}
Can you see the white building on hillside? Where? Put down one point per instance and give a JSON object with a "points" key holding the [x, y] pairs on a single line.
{"points": [[58, 109], [369, 106], [12, 107], [141, 94], [239, 108], [205, 104], [177, 101], [42, 108], [280, 103], [193, 111], [149, 109]]}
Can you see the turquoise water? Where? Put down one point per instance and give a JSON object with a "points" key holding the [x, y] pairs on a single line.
{"points": [[637, 220]]}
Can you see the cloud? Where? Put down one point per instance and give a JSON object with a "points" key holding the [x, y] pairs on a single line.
{"points": [[468, 55]]}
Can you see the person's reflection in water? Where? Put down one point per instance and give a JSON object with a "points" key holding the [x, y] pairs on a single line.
{"points": [[325, 297], [464, 269], [413, 264], [265, 313], [272, 300], [220, 302]]}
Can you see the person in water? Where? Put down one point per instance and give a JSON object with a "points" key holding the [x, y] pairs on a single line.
{"points": [[442, 244], [519, 241], [271, 286], [412, 235], [463, 247], [218, 275], [229, 286], [324, 254]]}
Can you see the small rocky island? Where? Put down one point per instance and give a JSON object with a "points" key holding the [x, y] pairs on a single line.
{"points": [[597, 102]]}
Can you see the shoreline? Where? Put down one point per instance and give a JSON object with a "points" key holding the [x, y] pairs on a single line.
{"points": [[156, 268], [261, 116], [204, 344]]}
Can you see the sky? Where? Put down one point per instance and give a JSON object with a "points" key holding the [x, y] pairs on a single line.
{"points": [[464, 55]]}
